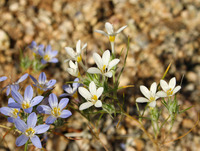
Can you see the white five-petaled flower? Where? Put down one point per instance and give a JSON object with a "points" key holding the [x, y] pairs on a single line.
{"points": [[75, 55], [110, 33], [151, 96], [168, 89], [92, 96], [104, 64], [73, 69]]}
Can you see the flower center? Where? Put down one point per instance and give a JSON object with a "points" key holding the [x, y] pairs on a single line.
{"points": [[79, 58], [30, 132], [47, 57], [56, 112], [151, 99], [25, 105], [112, 38], [103, 69], [94, 97], [169, 92], [75, 95], [15, 112]]}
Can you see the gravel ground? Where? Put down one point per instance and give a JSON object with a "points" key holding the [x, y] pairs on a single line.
{"points": [[161, 32]]}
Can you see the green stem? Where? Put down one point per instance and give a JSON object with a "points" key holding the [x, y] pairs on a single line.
{"points": [[26, 146]]}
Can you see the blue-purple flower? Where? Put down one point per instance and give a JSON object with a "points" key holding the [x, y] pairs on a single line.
{"points": [[12, 113], [3, 78], [35, 48], [27, 102], [71, 91], [55, 110], [30, 130], [48, 55], [42, 84], [15, 86]]}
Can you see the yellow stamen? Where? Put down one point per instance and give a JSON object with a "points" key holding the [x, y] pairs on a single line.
{"points": [[152, 99], [25, 105], [34, 54], [56, 112], [112, 38], [47, 57], [15, 111], [79, 58], [79, 75], [30, 131], [169, 92], [40, 91], [95, 97], [75, 95]]}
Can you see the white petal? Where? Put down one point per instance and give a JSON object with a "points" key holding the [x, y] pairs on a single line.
{"points": [[78, 47], [85, 93], [113, 63], [70, 52], [172, 83], [145, 91], [101, 32], [106, 57], [152, 104], [153, 87], [73, 65], [98, 104], [98, 60], [164, 85], [120, 29], [84, 46], [109, 28], [94, 70], [176, 89], [108, 74], [93, 88], [161, 94], [72, 72], [99, 92], [142, 100], [85, 105]]}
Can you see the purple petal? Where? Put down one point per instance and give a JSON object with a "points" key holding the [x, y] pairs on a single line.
{"points": [[5, 110], [65, 114], [15, 87], [51, 83], [36, 141], [34, 80], [11, 100], [22, 78], [53, 101], [11, 119], [28, 110], [3, 78], [17, 96], [14, 105], [75, 85], [21, 140], [54, 53], [64, 95], [42, 78], [32, 120], [44, 109], [20, 125], [48, 48], [67, 88], [50, 120], [41, 52], [43, 61], [41, 128], [54, 60], [8, 90], [63, 103], [28, 94], [36, 100]]}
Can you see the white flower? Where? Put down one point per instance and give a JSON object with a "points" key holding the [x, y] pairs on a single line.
{"points": [[104, 64], [75, 55], [151, 96], [110, 33], [92, 96], [168, 89], [73, 70]]}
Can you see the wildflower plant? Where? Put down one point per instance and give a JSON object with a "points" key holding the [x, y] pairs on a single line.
{"points": [[97, 88]]}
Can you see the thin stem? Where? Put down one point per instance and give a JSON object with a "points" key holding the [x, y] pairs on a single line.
{"points": [[26, 146]]}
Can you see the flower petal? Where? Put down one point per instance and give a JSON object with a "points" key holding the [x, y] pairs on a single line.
{"points": [[70, 52], [44, 109], [51, 83], [142, 100], [176, 89], [120, 29], [109, 28], [164, 85], [50, 120], [172, 83], [108, 74], [78, 47], [32, 120], [106, 57], [28, 94], [152, 104], [94, 70], [65, 114], [17, 96], [93, 88], [161, 94], [99, 91], [36, 141], [22, 78], [101, 32], [36, 100], [21, 140], [42, 78], [145, 91], [20, 125], [14, 105], [85, 106], [53, 60], [85, 93], [3, 78], [98, 60], [28, 110], [113, 63], [153, 87], [98, 103], [34, 80], [41, 128], [5, 110], [63, 103], [53, 100]]}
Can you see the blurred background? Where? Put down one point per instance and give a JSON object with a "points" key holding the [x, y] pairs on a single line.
{"points": [[161, 32]]}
